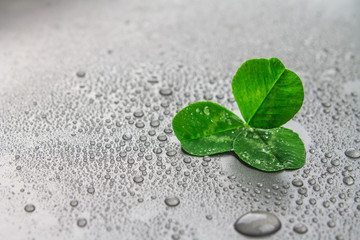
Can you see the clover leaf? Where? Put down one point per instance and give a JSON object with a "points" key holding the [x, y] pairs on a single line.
{"points": [[268, 96], [270, 149], [206, 128]]}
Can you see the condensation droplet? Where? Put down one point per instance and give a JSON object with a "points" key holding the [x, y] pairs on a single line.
{"points": [[138, 179], [171, 153], [162, 137], [80, 74], [297, 182], [139, 124], [300, 228], [29, 207], [349, 180], [91, 190], [81, 222], [352, 153], [155, 123], [165, 91], [172, 201], [74, 203], [138, 114]]}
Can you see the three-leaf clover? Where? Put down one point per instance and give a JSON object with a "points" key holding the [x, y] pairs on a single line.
{"points": [[268, 96]]}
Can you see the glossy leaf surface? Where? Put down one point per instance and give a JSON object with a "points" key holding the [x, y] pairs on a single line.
{"points": [[267, 94], [270, 149], [205, 128]]}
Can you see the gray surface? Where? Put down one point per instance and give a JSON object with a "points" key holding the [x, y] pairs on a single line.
{"points": [[50, 118]]}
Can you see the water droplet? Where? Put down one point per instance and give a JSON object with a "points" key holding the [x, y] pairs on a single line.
{"points": [[74, 203], [81, 222], [352, 153], [339, 237], [165, 91], [206, 110], [138, 114], [326, 104], [138, 179], [162, 137], [331, 224], [312, 201], [297, 182], [139, 125], [349, 180], [171, 153], [29, 207], [91, 190], [172, 201], [335, 162], [127, 136], [300, 228], [328, 155], [155, 123], [80, 74], [258, 224]]}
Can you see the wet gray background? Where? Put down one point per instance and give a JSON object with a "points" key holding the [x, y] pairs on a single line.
{"points": [[68, 136]]}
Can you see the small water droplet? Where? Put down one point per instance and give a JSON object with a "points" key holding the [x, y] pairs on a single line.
{"points": [[138, 179], [349, 180], [297, 182], [139, 125], [172, 201], [29, 207], [155, 123], [138, 114], [171, 153], [300, 228], [80, 74], [74, 203], [328, 155], [258, 224], [127, 136], [165, 91], [162, 137], [331, 224], [206, 110], [91, 190], [81, 222]]}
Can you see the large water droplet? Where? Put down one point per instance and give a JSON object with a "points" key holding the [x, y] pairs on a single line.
{"points": [[352, 153], [258, 224]]}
